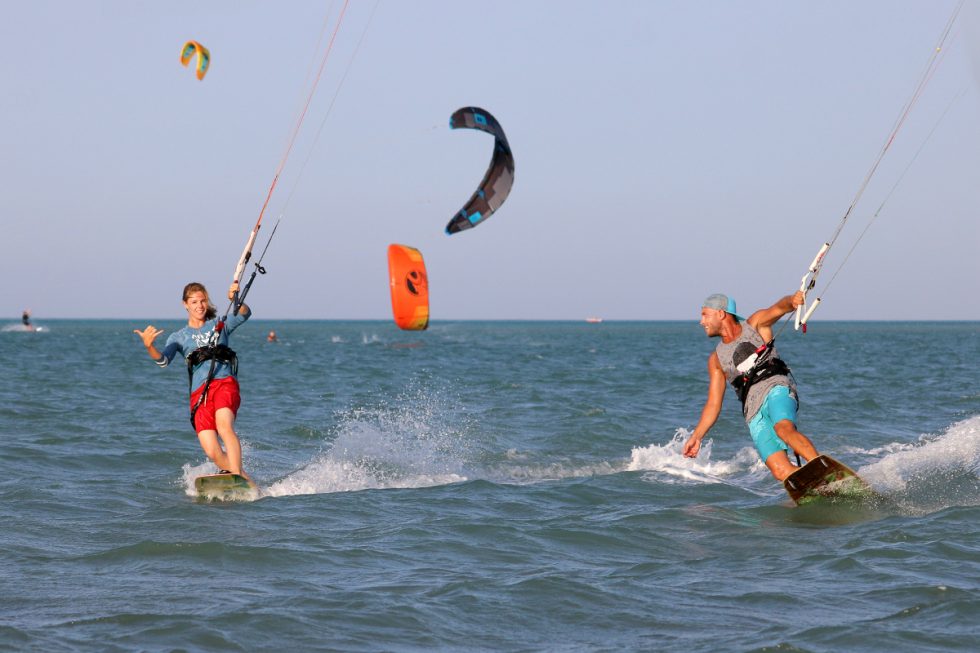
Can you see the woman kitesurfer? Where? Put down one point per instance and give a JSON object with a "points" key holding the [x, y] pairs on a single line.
{"points": [[212, 368]]}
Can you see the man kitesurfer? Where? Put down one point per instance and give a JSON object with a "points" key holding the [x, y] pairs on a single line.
{"points": [[212, 368], [747, 359], [26, 319]]}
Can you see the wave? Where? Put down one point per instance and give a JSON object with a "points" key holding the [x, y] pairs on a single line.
{"points": [[18, 327], [423, 440], [744, 470], [418, 442], [413, 447], [938, 471], [515, 472]]}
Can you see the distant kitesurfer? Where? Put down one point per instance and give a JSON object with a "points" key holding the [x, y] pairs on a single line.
{"points": [[747, 360], [212, 367], [26, 319]]}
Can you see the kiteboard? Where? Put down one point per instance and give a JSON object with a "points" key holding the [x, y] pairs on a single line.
{"points": [[824, 478], [225, 487]]}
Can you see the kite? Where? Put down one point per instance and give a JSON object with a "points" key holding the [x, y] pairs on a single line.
{"points": [[203, 57], [496, 184], [409, 288]]}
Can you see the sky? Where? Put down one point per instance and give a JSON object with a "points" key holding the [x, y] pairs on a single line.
{"points": [[665, 150]]}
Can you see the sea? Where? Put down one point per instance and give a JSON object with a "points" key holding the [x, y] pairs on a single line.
{"points": [[485, 486]]}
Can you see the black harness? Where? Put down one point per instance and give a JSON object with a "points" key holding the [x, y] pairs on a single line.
{"points": [[216, 353], [766, 366]]}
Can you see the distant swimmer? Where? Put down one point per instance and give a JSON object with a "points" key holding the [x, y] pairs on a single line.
{"points": [[212, 369], [747, 359], [272, 337]]}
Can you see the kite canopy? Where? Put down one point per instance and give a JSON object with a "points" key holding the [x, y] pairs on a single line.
{"points": [[496, 184], [409, 287], [203, 57]]}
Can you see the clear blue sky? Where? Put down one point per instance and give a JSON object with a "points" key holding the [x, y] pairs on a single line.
{"points": [[664, 150]]}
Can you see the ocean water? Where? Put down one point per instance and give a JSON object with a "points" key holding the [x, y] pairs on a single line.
{"points": [[485, 486]]}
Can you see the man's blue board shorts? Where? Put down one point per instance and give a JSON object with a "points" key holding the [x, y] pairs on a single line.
{"points": [[778, 405]]}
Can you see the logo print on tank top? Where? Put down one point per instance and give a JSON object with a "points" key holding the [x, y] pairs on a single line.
{"points": [[742, 351]]}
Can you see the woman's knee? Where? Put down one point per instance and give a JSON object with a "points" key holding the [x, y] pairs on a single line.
{"points": [[209, 442]]}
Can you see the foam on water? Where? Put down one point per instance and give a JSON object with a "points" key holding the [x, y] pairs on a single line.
{"points": [[189, 472], [420, 442], [742, 470], [934, 473], [666, 462], [403, 448], [415, 443], [18, 327], [521, 473], [365, 458], [937, 472]]}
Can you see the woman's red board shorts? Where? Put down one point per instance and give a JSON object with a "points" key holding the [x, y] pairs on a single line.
{"points": [[222, 393]]}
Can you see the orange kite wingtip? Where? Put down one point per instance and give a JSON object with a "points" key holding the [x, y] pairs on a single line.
{"points": [[409, 287], [203, 57]]}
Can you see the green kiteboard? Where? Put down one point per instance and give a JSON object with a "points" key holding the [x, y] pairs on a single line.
{"points": [[825, 479], [225, 487]]}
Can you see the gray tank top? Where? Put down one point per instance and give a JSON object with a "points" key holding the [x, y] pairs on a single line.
{"points": [[732, 353]]}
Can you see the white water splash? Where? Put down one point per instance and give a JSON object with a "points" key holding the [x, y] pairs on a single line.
{"points": [[669, 459], [934, 473], [414, 444], [189, 472], [18, 327]]}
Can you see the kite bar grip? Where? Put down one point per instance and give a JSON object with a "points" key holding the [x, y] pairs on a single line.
{"points": [[810, 312], [246, 255], [816, 259], [806, 283]]}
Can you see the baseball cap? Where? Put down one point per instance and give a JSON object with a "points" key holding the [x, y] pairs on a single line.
{"points": [[722, 303]]}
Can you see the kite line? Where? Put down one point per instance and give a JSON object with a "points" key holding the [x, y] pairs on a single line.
{"points": [[809, 280]]}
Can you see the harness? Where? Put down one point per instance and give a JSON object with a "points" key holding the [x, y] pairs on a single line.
{"points": [[216, 353], [758, 367]]}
